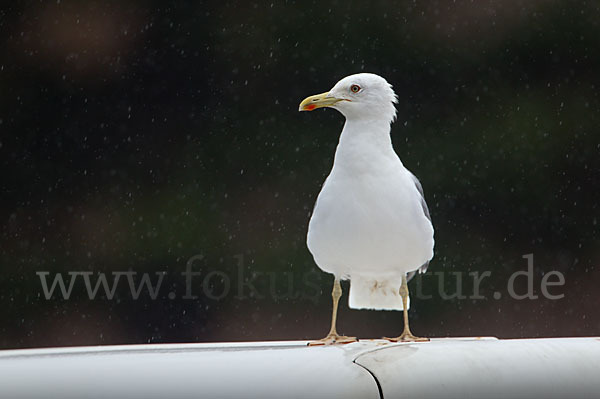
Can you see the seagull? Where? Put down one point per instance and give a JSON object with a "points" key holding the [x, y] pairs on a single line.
{"points": [[370, 223]]}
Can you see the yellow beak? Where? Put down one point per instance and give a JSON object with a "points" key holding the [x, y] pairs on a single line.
{"points": [[317, 101]]}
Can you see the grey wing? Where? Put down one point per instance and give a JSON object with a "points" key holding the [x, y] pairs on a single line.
{"points": [[420, 189], [421, 270], [424, 266]]}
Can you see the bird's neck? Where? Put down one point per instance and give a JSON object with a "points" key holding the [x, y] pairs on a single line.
{"points": [[364, 146]]}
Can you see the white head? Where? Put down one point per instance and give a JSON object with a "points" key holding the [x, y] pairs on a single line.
{"points": [[362, 96]]}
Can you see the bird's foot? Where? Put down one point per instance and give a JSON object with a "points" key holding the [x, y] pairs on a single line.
{"points": [[407, 337], [333, 339]]}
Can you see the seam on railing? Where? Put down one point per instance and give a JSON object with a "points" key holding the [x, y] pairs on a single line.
{"points": [[374, 377]]}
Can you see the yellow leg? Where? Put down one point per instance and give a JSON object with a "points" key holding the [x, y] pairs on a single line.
{"points": [[406, 335], [333, 337]]}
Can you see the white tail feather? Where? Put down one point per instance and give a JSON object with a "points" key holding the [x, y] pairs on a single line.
{"points": [[375, 293]]}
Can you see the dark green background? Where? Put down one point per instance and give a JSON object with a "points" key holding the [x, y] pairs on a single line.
{"points": [[135, 135]]}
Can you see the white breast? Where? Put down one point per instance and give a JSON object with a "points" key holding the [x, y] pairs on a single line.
{"points": [[371, 224]]}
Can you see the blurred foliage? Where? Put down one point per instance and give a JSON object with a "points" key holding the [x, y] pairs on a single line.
{"points": [[135, 135]]}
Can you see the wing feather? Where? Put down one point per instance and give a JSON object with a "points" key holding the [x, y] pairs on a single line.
{"points": [[419, 187]]}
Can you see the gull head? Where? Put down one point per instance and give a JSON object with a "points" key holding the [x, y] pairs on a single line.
{"points": [[363, 96]]}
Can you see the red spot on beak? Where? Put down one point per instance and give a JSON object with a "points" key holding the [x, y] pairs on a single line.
{"points": [[310, 107]]}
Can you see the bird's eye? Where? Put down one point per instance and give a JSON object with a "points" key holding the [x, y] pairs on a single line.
{"points": [[355, 88]]}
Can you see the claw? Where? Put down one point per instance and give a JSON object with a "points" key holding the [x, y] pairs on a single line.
{"points": [[407, 337], [333, 339]]}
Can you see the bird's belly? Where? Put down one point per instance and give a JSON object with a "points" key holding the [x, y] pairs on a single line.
{"points": [[371, 232]]}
